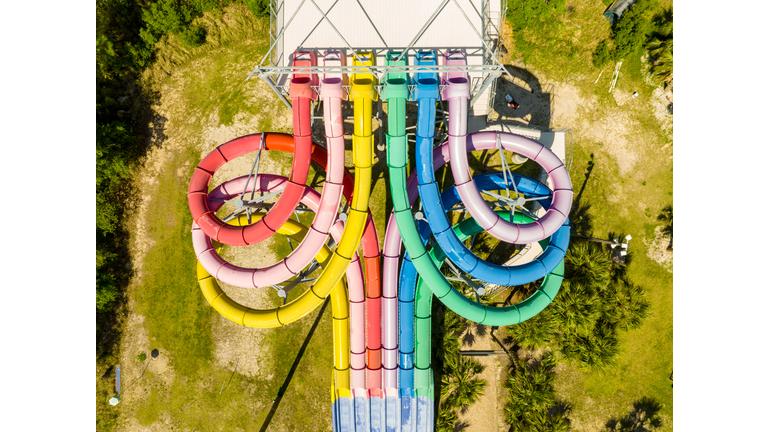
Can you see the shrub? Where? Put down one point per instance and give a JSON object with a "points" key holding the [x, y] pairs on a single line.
{"points": [[259, 8], [602, 55]]}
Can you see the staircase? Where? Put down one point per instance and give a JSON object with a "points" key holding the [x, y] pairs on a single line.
{"points": [[493, 13]]}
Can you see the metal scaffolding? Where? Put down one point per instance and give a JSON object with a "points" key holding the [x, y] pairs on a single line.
{"points": [[489, 35]]}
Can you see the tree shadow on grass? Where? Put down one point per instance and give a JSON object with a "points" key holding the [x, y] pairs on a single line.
{"points": [[644, 417], [581, 220]]}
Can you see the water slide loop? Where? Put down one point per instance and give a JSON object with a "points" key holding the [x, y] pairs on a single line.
{"points": [[457, 89], [457, 93], [307, 301], [253, 277], [479, 209], [197, 195]]}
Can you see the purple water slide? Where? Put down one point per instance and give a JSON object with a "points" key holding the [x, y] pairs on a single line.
{"points": [[470, 195]]}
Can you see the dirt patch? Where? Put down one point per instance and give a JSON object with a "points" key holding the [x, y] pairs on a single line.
{"points": [[657, 249], [661, 102], [237, 347], [131, 424], [621, 97], [568, 104], [614, 131]]}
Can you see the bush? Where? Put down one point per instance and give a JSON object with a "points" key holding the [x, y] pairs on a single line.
{"points": [[602, 55], [192, 36], [595, 301], [259, 8]]}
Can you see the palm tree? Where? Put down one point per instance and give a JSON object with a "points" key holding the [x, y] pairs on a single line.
{"points": [[596, 350], [447, 339], [536, 332], [576, 307], [666, 218], [446, 419], [531, 405], [660, 49], [588, 263], [530, 389], [644, 417], [460, 387], [625, 304]]}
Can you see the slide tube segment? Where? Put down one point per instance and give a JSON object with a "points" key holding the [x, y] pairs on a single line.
{"points": [[197, 194], [332, 93], [362, 93], [395, 93], [474, 202]]}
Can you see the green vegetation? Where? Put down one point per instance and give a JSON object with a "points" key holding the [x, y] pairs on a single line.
{"points": [[660, 48], [126, 35], [538, 29], [632, 29], [459, 387], [643, 25], [602, 55], [595, 302], [532, 404]]}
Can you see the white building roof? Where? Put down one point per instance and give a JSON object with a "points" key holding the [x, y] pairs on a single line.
{"points": [[375, 24]]}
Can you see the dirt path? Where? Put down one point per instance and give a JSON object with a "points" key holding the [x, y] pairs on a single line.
{"points": [[486, 414]]}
